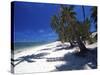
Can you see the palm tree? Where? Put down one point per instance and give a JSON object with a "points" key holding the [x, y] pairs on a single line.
{"points": [[70, 17], [67, 29], [66, 26], [69, 35], [55, 23], [58, 27], [83, 9], [83, 30], [94, 15]]}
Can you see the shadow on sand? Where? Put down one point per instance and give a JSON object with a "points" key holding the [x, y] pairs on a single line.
{"points": [[45, 49], [29, 58], [65, 47], [74, 62], [59, 47]]}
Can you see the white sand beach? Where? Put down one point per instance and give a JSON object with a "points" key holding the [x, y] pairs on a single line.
{"points": [[53, 57]]}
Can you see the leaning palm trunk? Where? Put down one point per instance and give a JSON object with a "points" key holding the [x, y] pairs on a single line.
{"points": [[81, 45], [71, 43]]}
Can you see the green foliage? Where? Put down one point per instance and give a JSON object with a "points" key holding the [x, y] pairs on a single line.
{"points": [[83, 29], [58, 26]]}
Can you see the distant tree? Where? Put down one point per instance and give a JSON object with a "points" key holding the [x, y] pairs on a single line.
{"points": [[94, 15]]}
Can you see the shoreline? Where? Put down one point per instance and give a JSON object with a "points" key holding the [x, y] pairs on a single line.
{"points": [[16, 51], [33, 49]]}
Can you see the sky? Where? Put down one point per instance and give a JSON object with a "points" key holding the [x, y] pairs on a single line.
{"points": [[32, 21]]}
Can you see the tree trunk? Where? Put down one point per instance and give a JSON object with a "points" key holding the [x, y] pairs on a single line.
{"points": [[82, 47], [71, 44]]}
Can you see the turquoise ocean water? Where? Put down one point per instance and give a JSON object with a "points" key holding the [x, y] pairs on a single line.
{"points": [[20, 46]]}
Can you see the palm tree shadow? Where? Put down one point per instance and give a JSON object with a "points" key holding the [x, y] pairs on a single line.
{"points": [[54, 59], [74, 62], [65, 47], [45, 49], [29, 58]]}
